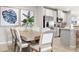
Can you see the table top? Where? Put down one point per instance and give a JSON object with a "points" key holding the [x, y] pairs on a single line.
{"points": [[29, 35]]}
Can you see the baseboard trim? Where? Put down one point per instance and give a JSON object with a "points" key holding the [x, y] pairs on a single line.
{"points": [[9, 42]]}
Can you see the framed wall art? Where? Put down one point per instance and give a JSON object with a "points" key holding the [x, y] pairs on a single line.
{"points": [[9, 16], [25, 14]]}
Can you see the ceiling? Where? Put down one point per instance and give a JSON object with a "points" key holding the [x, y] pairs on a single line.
{"points": [[66, 8]]}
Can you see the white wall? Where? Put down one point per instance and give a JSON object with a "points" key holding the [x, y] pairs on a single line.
{"points": [[39, 16], [74, 12]]}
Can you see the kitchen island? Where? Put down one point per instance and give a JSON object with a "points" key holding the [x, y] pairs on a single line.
{"points": [[68, 37]]}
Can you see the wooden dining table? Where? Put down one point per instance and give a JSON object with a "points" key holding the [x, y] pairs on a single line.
{"points": [[30, 35]]}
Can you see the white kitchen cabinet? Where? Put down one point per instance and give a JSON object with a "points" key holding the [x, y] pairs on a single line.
{"points": [[68, 37], [62, 15], [56, 33]]}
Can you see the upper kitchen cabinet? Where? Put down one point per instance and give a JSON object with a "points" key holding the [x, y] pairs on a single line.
{"points": [[62, 15], [50, 12]]}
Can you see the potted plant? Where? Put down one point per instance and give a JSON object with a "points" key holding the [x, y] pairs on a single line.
{"points": [[28, 21]]}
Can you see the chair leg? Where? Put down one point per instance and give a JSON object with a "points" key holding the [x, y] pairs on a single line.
{"points": [[15, 46], [20, 50], [16, 49], [51, 50]]}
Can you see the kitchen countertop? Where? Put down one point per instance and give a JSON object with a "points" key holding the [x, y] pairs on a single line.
{"points": [[67, 28]]}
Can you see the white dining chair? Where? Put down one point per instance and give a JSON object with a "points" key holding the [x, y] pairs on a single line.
{"points": [[13, 39], [45, 43], [20, 43]]}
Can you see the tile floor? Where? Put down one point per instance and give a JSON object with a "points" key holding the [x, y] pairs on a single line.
{"points": [[57, 47]]}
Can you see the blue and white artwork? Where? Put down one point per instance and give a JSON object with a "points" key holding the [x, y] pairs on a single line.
{"points": [[9, 16]]}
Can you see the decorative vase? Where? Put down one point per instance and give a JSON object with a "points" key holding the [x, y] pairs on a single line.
{"points": [[29, 26]]}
